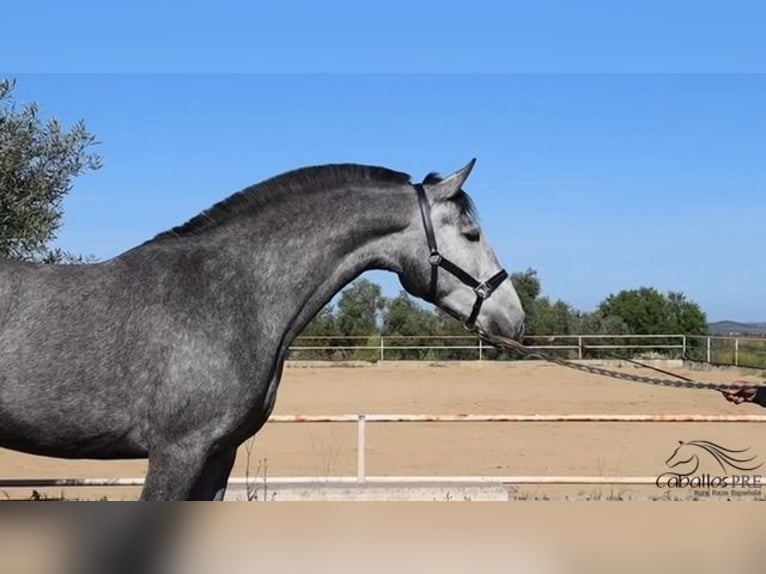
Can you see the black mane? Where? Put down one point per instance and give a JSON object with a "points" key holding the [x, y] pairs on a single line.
{"points": [[318, 178]]}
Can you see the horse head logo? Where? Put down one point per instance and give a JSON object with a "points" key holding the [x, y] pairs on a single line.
{"points": [[685, 459]]}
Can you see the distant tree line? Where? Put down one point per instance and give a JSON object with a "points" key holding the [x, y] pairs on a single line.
{"points": [[363, 314]]}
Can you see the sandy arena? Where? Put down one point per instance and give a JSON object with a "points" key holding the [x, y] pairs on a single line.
{"points": [[316, 449]]}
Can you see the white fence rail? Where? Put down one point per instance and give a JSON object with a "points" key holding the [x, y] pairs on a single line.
{"points": [[379, 345], [735, 351], [361, 477]]}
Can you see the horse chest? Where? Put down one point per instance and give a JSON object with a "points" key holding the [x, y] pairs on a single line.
{"points": [[255, 407]]}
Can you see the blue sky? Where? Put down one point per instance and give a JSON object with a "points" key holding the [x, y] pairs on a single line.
{"points": [[392, 36], [617, 146]]}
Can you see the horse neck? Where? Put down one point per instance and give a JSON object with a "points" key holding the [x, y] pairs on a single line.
{"points": [[294, 256]]}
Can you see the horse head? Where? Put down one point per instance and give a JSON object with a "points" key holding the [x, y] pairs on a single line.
{"points": [[453, 265]]}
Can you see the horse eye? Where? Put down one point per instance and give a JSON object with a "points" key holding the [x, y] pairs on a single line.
{"points": [[471, 234]]}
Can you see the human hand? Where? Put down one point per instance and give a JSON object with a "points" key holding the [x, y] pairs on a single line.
{"points": [[738, 396]]}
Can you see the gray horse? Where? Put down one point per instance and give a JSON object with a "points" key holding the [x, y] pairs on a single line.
{"points": [[173, 350]]}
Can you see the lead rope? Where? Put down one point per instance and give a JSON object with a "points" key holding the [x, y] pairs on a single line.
{"points": [[679, 382]]}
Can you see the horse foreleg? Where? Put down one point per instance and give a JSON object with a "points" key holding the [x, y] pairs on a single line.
{"points": [[173, 472], [211, 483]]}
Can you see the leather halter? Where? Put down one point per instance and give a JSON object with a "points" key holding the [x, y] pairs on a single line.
{"points": [[483, 290]]}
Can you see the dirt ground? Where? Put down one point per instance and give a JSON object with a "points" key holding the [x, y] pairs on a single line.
{"points": [[316, 449]]}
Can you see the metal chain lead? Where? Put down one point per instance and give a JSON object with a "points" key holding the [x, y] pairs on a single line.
{"points": [[685, 383]]}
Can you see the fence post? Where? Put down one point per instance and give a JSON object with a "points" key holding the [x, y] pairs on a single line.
{"points": [[683, 346], [579, 347], [381, 347], [361, 423], [736, 352], [481, 350], [708, 351]]}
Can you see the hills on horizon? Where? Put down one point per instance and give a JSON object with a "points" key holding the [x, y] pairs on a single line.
{"points": [[736, 328]]}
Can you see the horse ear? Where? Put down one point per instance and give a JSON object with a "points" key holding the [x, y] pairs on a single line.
{"points": [[450, 185]]}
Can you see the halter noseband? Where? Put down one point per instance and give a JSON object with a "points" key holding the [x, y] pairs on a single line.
{"points": [[482, 290]]}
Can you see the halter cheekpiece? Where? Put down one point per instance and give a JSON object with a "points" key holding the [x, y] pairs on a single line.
{"points": [[483, 290]]}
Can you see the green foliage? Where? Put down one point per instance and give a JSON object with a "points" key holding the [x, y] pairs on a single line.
{"points": [[406, 319], [359, 309], [548, 318], [646, 311], [528, 288], [320, 332], [364, 312], [455, 335], [597, 324], [323, 324], [687, 317], [38, 160]]}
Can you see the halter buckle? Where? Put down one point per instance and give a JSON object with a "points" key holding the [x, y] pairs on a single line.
{"points": [[483, 290], [435, 259]]}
